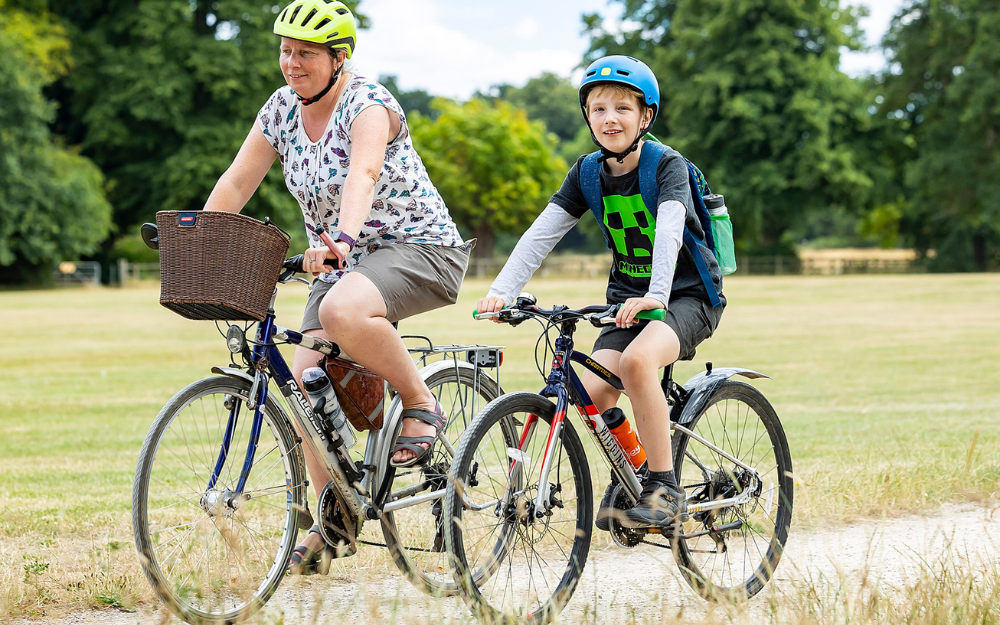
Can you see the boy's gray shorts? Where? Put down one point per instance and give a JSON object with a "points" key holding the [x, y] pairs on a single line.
{"points": [[691, 318], [412, 278]]}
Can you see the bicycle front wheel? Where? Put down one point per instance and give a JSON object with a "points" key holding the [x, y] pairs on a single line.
{"points": [[515, 562], [415, 534], [729, 553], [214, 553]]}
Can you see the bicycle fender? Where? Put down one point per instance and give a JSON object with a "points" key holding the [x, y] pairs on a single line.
{"points": [[701, 388], [233, 373]]}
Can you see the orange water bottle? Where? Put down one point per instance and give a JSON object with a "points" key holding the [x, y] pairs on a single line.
{"points": [[622, 430]]}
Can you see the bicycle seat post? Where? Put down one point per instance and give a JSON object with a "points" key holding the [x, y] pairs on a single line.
{"points": [[668, 377]]}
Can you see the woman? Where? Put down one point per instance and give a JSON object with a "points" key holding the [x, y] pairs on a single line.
{"points": [[347, 158]]}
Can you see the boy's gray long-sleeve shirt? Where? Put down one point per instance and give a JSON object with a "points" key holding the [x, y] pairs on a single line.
{"points": [[552, 225]]}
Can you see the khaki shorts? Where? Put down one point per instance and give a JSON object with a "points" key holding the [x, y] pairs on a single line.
{"points": [[693, 320], [412, 278]]}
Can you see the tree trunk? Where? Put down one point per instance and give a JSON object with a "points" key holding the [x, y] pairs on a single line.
{"points": [[979, 251], [486, 241]]}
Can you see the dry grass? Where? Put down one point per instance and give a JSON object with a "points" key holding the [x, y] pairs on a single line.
{"points": [[886, 386]]}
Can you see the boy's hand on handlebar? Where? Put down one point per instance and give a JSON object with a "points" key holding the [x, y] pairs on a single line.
{"points": [[489, 304], [632, 307]]}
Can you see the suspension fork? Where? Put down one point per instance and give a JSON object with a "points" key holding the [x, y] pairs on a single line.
{"points": [[555, 438], [555, 386]]}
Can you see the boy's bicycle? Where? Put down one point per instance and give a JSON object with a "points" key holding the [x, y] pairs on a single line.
{"points": [[521, 499], [220, 489]]}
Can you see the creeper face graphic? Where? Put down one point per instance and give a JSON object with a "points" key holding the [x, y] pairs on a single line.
{"points": [[631, 229]]}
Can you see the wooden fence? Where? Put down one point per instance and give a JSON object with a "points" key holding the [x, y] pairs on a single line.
{"points": [[825, 262]]}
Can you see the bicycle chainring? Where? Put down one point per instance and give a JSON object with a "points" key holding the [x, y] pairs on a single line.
{"points": [[624, 537], [335, 527]]}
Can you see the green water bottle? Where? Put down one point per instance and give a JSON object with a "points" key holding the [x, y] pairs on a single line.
{"points": [[722, 233]]}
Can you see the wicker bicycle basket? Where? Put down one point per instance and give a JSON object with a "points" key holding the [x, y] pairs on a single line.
{"points": [[218, 265]]}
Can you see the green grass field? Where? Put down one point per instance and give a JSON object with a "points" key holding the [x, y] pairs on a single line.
{"points": [[887, 386]]}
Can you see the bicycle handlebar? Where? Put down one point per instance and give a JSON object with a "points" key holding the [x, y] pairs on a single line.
{"points": [[597, 315], [295, 263]]}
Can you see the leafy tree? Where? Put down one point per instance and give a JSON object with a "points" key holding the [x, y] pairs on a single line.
{"points": [[494, 168], [416, 101], [755, 97], [554, 101], [644, 32], [163, 95], [550, 99], [943, 83], [52, 205]]}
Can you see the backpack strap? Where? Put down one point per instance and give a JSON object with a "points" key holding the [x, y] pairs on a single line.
{"points": [[699, 189], [649, 161], [590, 185], [699, 261]]}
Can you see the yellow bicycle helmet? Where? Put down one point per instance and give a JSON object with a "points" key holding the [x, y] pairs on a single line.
{"points": [[326, 22]]}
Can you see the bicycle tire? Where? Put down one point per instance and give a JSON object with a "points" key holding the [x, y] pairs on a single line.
{"points": [[756, 545], [414, 535], [221, 567], [479, 553]]}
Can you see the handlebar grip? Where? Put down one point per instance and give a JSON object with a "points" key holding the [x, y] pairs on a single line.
{"points": [[657, 314], [295, 263]]}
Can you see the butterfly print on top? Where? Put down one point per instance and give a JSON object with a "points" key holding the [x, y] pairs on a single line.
{"points": [[315, 174]]}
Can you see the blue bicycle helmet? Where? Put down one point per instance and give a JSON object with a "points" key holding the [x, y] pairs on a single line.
{"points": [[624, 70]]}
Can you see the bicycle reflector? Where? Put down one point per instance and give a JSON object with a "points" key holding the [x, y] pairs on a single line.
{"points": [[235, 339], [490, 358]]}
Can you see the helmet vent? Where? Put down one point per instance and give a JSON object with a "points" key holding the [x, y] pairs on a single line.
{"points": [[311, 15], [323, 22], [283, 15], [589, 74], [295, 13], [623, 72], [342, 11]]}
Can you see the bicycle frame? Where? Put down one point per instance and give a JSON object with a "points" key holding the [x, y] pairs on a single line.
{"points": [[353, 488], [565, 386]]}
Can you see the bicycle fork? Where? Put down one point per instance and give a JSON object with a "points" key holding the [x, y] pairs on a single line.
{"points": [[227, 502]]}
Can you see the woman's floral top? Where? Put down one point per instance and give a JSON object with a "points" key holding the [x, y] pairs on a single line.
{"points": [[406, 208]]}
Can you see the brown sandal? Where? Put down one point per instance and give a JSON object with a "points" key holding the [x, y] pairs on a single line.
{"points": [[305, 561], [413, 443]]}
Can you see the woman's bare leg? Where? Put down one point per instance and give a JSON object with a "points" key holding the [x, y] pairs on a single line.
{"points": [[353, 312]]}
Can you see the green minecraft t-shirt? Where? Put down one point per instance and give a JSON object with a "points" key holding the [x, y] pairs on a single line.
{"points": [[631, 227]]}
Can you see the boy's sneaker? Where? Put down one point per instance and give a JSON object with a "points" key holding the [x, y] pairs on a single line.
{"points": [[659, 506]]}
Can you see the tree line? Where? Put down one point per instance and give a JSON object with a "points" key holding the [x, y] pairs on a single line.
{"points": [[111, 110]]}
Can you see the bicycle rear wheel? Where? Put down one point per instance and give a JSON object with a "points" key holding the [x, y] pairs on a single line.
{"points": [[513, 565], [730, 553], [415, 534], [210, 554]]}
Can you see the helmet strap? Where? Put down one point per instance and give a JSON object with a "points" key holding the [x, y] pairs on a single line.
{"points": [[316, 98], [618, 156]]}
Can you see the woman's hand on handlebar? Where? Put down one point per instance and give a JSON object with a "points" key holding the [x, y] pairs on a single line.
{"points": [[632, 307], [490, 304], [315, 258]]}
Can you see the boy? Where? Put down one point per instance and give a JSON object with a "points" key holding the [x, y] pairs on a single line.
{"points": [[651, 269]]}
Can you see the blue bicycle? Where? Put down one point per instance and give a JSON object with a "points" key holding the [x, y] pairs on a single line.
{"points": [[520, 495], [220, 489]]}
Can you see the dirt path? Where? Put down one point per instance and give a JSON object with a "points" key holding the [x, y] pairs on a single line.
{"points": [[644, 580]]}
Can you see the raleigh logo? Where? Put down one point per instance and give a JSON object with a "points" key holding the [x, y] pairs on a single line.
{"points": [[292, 392]]}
